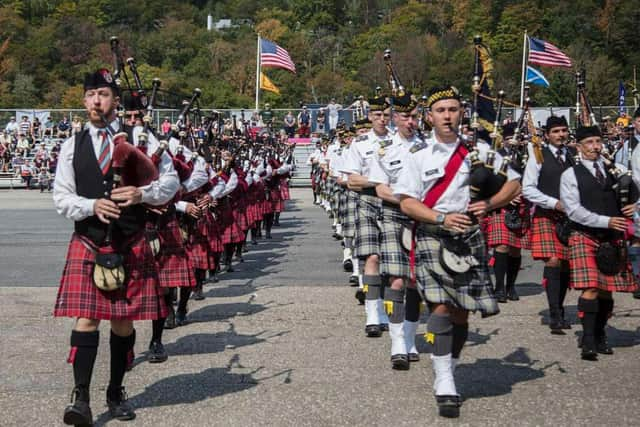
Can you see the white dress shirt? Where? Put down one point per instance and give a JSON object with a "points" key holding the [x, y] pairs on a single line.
{"points": [[77, 208], [570, 197], [363, 153], [386, 168], [530, 189]]}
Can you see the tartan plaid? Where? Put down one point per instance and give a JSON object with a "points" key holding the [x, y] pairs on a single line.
{"points": [[498, 234], [342, 205], [174, 269], [214, 237], [196, 244], [470, 291], [367, 239], [544, 242], [79, 297], [394, 259], [349, 224], [584, 270], [284, 190], [239, 207], [231, 231]]}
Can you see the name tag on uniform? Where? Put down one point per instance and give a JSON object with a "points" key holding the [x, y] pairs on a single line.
{"points": [[368, 153], [431, 172], [395, 163]]}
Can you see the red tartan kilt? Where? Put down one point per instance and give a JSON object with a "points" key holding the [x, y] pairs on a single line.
{"points": [[197, 248], [232, 234], [239, 208], [544, 242], [252, 215], [584, 270], [284, 190], [215, 243], [498, 234], [267, 207], [174, 268], [277, 206], [78, 296]]}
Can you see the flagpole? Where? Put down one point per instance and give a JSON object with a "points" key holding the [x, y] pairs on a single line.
{"points": [[524, 69], [258, 75]]}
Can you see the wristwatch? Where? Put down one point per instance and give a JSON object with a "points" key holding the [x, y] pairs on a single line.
{"points": [[440, 219]]}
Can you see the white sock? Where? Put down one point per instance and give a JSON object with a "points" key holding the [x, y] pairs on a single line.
{"points": [[381, 313], [371, 307], [396, 332], [346, 254], [339, 229], [410, 329], [356, 266], [443, 383]]}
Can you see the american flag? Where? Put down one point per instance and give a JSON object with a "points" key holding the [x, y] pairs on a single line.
{"points": [[272, 55], [544, 53]]}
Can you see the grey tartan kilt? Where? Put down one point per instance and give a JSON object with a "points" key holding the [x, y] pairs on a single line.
{"points": [[342, 205], [394, 259], [470, 291], [367, 241], [351, 209], [328, 187]]}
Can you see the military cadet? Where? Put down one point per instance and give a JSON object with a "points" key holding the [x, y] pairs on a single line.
{"points": [[83, 193], [367, 242], [596, 247], [541, 187], [433, 189], [634, 249], [394, 260]]}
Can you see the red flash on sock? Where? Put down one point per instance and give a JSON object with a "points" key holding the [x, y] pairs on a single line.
{"points": [[544, 283], [492, 261], [72, 355], [580, 314]]}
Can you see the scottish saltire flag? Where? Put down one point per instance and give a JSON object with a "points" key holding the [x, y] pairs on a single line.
{"points": [[621, 95], [536, 77], [544, 53], [272, 55]]}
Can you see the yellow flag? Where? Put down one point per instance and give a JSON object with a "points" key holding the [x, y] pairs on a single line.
{"points": [[267, 84]]}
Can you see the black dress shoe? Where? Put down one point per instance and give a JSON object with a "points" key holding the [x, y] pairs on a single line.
{"points": [[347, 265], [448, 406], [361, 296], [602, 346], [400, 362], [373, 331], [181, 318], [414, 357], [353, 281], [565, 324], [170, 321], [589, 354], [555, 324], [384, 327], [78, 411], [501, 297], [157, 353], [636, 294], [197, 294], [512, 295], [119, 407]]}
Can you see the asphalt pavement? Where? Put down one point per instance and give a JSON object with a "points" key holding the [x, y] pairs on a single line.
{"points": [[280, 342]]}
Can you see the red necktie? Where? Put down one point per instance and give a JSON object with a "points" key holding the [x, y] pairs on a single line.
{"points": [[104, 159], [599, 175]]}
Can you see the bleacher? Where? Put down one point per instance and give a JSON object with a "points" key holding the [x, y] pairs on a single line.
{"points": [[12, 180], [301, 177]]}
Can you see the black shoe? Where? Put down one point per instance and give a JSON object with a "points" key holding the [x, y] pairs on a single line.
{"points": [[384, 327], [181, 318], [400, 362], [353, 281], [78, 411], [602, 346], [268, 235], [565, 324], [448, 406], [229, 268], [589, 354], [360, 296], [555, 323], [636, 294], [119, 407], [170, 321], [157, 353], [347, 265], [414, 357], [197, 294], [512, 295], [589, 348], [501, 297], [373, 331]]}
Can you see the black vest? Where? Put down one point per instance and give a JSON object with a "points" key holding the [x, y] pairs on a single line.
{"points": [[92, 184], [550, 172], [595, 197]]}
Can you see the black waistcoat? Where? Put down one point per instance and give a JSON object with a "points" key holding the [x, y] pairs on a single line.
{"points": [[550, 172], [92, 184], [595, 197]]}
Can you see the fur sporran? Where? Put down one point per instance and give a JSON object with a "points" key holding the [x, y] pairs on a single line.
{"points": [[108, 270]]}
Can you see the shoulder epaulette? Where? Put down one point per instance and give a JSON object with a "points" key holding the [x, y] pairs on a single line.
{"points": [[385, 142], [417, 147]]}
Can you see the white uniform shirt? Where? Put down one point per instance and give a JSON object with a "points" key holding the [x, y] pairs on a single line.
{"points": [[363, 153], [570, 197], [386, 168], [77, 208], [199, 175]]}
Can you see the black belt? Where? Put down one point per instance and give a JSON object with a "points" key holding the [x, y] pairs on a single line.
{"points": [[369, 191]]}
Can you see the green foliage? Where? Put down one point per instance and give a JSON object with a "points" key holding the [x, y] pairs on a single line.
{"points": [[47, 45]]}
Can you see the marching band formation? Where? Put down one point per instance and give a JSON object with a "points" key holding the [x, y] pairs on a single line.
{"points": [[154, 216], [425, 199]]}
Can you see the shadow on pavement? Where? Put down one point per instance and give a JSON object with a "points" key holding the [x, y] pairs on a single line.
{"points": [[529, 289]]}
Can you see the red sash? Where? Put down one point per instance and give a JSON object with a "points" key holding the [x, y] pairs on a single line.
{"points": [[434, 194]]}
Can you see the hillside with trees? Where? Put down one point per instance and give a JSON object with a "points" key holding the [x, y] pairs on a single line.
{"points": [[47, 46]]}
